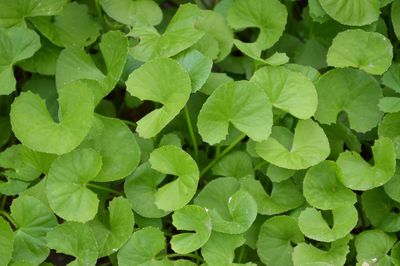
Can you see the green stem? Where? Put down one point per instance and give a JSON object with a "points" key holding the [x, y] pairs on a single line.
{"points": [[99, 13], [193, 256], [191, 132], [104, 189], [259, 165], [129, 123], [222, 154], [3, 202], [242, 254], [8, 217]]}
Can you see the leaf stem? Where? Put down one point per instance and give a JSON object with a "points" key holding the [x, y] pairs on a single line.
{"points": [[9, 218], [3, 202], [222, 154], [91, 185], [191, 132], [190, 255], [129, 123], [242, 254]]}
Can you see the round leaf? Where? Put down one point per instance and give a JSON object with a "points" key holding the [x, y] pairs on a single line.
{"points": [[241, 103], [314, 226], [163, 81], [174, 161], [309, 146], [392, 188], [389, 127], [369, 51], [360, 175], [287, 90], [66, 184], [6, 242], [35, 128], [352, 12], [75, 239], [352, 91], [235, 164], [195, 218], [322, 187], [274, 244], [372, 246]]}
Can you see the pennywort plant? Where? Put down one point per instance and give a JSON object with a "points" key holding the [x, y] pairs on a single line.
{"points": [[205, 132]]}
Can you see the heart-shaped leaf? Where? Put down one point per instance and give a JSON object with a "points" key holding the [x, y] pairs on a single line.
{"points": [[372, 246]]}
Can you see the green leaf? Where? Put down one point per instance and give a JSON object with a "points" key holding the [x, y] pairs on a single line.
{"points": [[141, 188], [395, 254], [143, 247], [113, 228], [391, 78], [197, 65], [392, 188], [389, 104], [278, 201], [353, 13], [308, 146], [277, 174], [33, 220], [389, 128], [220, 248], [236, 164], [16, 44], [274, 244], [317, 13], [72, 27], [39, 160], [308, 255], [36, 129], [179, 35], [322, 187], [194, 218], [171, 88], [360, 175], [287, 90], [369, 51], [74, 239], [66, 185], [241, 103], [214, 81], [232, 210], [395, 15], [74, 64], [352, 91], [118, 148], [314, 226], [378, 208], [268, 16], [130, 12], [14, 12], [5, 132], [6, 242], [172, 160], [372, 246]]}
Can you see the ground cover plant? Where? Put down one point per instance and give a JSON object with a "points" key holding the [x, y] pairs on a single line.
{"points": [[207, 132]]}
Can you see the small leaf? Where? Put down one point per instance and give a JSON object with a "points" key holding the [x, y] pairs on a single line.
{"points": [[352, 91], [308, 146], [322, 187], [6, 242], [395, 15], [287, 90], [389, 127], [74, 239], [236, 164], [195, 218], [66, 184], [241, 103], [369, 51], [171, 87], [392, 188], [391, 78], [389, 104], [372, 246], [360, 175], [172, 160], [274, 244]]}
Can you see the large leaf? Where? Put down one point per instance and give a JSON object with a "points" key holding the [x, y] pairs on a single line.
{"points": [[72, 27], [164, 81], [287, 90], [14, 12], [322, 187], [352, 91], [274, 244], [74, 64], [352, 12], [232, 210], [113, 228], [360, 175], [132, 11], [194, 218], [33, 220], [75, 239], [369, 51], [372, 246], [66, 184], [308, 146], [241, 103], [269, 16], [6, 242], [172, 160], [16, 44], [35, 128]]}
